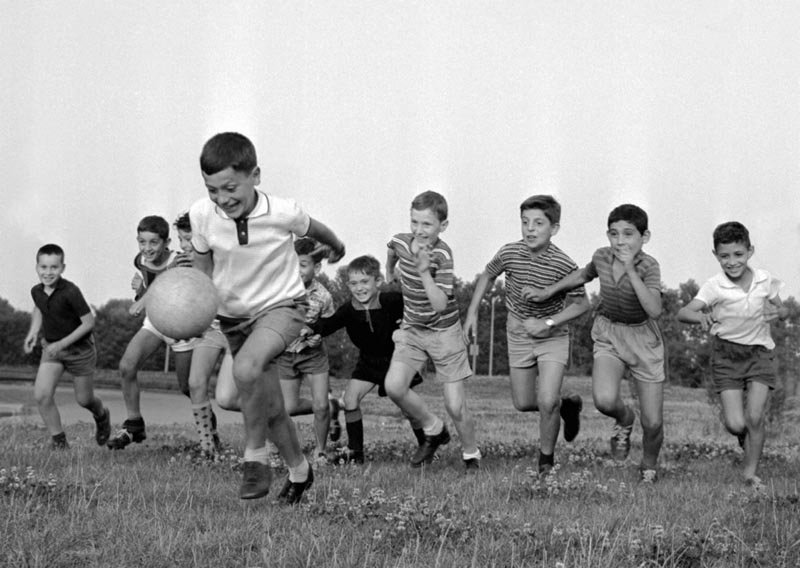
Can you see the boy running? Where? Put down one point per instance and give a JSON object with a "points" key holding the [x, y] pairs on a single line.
{"points": [[538, 339], [66, 320], [736, 308], [626, 336]]}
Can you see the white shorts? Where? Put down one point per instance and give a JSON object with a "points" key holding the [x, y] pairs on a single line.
{"points": [[178, 346]]}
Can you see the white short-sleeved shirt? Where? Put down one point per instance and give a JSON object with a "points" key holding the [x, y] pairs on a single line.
{"points": [[255, 265], [739, 314]]}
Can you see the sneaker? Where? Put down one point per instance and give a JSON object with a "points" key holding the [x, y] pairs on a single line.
{"points": [[621, 441], [346, 456], [426, 451], [102, 427], [648, 475], [755, 483], [59, 442], [545, 469], [125, 436], [293, 492], [571, 407], [321, 459], [256, 479], [336, 423], [472, 464], [741, 438]]}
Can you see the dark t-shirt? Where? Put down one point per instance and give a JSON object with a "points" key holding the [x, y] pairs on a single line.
{"points": [[61, 311]]}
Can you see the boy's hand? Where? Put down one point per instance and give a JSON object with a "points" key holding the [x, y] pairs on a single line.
{"points": [[536, 327], [471, 328], [625, 256], [313, 340], [706, 321], [332, 254], [52, 348], [532, 294], [772, 312], [136, 282], [30, 343], [422, 256], [136, 308]]}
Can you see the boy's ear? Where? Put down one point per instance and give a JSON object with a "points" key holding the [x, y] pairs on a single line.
{"points": [[317, 268], [379, 280], [554, 228], [750, 252], [444, 225], [645, 236], [256, 175]]}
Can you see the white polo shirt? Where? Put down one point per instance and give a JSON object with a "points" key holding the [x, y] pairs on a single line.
{"points": [[255, 265], [739, 314]]}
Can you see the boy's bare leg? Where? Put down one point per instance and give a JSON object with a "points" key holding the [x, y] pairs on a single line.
{"points": [[398, 382], [141, 346], [321, 407], [732, 401], [455, 401], [651, 407], [202, 366], [756, 403], [44, 388], [607, 375], [183, 368], [523, 388], [226, 393], [550, 377]]}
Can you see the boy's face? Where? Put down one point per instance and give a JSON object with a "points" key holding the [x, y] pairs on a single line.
{"points": [[49, 267], [537, 230], [185, 241], [233, 192], [623, 235], [363, 287], [152, 246], [308, 268], [426, 226], [733, 258]]}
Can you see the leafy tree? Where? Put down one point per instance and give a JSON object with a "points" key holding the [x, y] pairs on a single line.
{"points": [[14, 326]]}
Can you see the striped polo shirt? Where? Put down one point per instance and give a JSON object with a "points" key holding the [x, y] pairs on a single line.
{"points": [[618, 300], [523, 269], [150, 271], [418, 311]]}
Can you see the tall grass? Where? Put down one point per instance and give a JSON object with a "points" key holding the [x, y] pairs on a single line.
{"points": [[158, 504]]}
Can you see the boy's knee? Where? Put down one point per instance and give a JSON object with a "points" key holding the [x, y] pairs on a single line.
{"points": [[227, 401], [549, 404], [128, 368], [605, 404], [457, 409], [322, 409], [652, 427], [395, 390], [43, 398], [735, 425], [245, 371], [83, 399]]}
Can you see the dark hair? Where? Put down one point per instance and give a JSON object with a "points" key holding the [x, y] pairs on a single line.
{"points": [[182, 223], [154, 224], [433, 201], [304, 246], [546, 203], [228, 150], [366, 264], [633, 214], [731, 232], [48, 249]]}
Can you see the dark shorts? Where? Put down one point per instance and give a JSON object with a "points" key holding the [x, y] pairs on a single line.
{"points": [[79, 359], [373, 370], [285, 319], [734, 365], [309, 361]]}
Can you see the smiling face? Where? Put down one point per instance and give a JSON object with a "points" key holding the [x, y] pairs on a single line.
{"points": [[624, 235], [537, 230], [154, 249], [49, 268], [185, 241], [363, 287], [426, 226], [308, 269], [232, 191], [733, 259]]}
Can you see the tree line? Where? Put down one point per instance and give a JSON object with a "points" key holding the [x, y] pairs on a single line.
{"points": [[687, 347]]}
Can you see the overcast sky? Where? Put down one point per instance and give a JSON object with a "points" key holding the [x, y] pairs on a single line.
{"points": [[689, 109]]}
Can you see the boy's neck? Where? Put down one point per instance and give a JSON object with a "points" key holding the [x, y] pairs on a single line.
{"points": [[744, 280], [50, 289], [373, 304]]}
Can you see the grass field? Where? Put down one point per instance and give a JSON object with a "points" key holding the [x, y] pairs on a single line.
{"points": [[158, 505]]}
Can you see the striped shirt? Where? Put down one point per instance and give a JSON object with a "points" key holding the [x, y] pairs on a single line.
{"points": [[522, 270], [418, 311], [618, 300], [150, 271]]}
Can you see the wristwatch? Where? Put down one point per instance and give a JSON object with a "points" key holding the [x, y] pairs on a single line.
{"points": [[549, 322]]}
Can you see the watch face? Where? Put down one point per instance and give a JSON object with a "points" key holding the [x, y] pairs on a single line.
{"points": [[549, 322]]}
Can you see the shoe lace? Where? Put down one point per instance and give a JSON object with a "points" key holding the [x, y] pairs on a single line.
{"points": [[649, 475], [622, 434]]}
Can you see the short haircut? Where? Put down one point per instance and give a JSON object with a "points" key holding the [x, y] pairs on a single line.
{"points": [[633, 214], [305, 246], [546, 203], [433, 201], [731, 232], [48, 249], [154, 224], [366, 264], [228, 150], [182, 223]]}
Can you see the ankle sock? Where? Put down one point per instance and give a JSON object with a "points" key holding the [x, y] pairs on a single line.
{"points": [[354, 425], [546, 459], [476, 455], [299, 473], [259, 455], [205, 425], [435, 429]]}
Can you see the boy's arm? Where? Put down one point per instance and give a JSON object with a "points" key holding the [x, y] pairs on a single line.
{"points": [[471, 323], [572, 280], [649, 298], [33, 333], [693, 313], [436, 296], [204, 262], [320, 232], [537, 327], [86, 326], [391, 263], [781, 312]]}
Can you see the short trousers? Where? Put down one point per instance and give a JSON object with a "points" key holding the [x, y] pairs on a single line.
{"points": [[79, 359], [734, 365], [309, 361], [373, 370], [213, 338], [525, 351], [639, 346], [286, 319], [178, 346], [445, 347]]}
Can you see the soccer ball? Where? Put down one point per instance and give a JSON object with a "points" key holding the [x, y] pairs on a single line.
{"points": [[181, 303]]}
